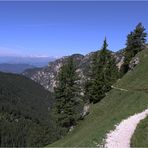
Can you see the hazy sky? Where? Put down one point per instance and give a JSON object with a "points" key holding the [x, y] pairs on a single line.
{"points": [[63, 28]]}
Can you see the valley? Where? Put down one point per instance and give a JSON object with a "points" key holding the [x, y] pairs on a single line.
{"points": [[73, 74], [24, 112]]}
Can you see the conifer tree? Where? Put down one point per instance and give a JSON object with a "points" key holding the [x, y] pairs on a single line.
{"points": [[67, 95], [104, 74], [135, 42]]}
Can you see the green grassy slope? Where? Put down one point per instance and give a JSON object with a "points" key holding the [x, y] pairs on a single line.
{"points": [[116, 106], [140, 137]]}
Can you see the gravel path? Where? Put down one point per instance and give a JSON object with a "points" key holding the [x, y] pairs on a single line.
{"points": [[121, 136]]}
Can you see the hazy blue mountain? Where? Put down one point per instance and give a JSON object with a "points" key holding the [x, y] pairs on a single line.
{"points": [[14, 68], [35, 61]]}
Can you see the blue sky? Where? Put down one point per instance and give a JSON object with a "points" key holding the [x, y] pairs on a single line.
{"points": [[62, 28]]}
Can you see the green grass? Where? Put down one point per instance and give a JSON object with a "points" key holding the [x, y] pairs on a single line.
{"points": [[140, 137], [117, 105]]}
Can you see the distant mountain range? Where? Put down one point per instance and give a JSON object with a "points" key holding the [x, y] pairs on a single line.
{"points": [[11, 64], [34, 61], [14, 68]]}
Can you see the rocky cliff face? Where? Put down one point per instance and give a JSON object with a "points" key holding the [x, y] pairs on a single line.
{"points": [[47, 76]]}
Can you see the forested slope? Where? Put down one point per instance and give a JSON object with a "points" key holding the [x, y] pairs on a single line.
{"points": [[25, 118]]}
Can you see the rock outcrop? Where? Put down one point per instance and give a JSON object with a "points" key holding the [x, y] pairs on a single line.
{"points": [[47, 76], [135, 61]]}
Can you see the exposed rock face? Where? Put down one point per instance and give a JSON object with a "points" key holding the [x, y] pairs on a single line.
{"points": [[119, 58], [47, 76], [135, 61], [85, 110], [71, 128]]}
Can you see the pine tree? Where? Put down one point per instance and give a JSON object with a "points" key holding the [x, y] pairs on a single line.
{"points": [[135, 42], [104, 74], [67, 95]]}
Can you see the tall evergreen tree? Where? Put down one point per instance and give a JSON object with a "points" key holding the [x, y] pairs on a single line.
{"points": [[67, 95], [104, 74], [135, 42]]}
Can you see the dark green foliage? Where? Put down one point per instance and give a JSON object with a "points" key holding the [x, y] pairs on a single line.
{"points": [[25, 118], [67, 95], [135, 42], [104, 74]]}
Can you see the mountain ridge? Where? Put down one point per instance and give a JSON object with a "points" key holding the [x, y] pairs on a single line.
{"points": [[14, 68], [111, 110], [47, 76], [35, 61]]}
